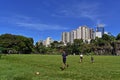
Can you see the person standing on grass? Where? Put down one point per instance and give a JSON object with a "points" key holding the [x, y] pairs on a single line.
{"points": [[81, 58], [92, 59], [64, 57]]}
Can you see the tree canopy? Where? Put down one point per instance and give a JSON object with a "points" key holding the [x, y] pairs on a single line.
{"points": [[16, 44]]}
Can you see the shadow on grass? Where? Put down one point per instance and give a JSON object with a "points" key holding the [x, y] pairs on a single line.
{"points": [[22, 78]]}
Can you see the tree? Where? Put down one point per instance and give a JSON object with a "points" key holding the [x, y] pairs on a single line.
{"points": [[118, 37], [40, 48], [16, 43], [108, 38], [77, 45], [54, 44]]}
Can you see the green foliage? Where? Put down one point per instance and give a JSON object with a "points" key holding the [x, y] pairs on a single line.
{"points": [[22, 45], [101, 42], [118, 37], [108, 38], [77, 46], [54, 44], [40, 48], [16, 44]]}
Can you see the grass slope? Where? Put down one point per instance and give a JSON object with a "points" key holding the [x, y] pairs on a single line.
{"points": [[24, 67]]}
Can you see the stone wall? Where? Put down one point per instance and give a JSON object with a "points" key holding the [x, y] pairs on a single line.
{"points": [[116, 46], [103, 51]]}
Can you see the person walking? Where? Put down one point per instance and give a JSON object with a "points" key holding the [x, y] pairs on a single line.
{"points": [[92, 59], [64, 57], [81, 58]]}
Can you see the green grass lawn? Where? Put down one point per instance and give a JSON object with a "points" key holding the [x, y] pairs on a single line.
{"points": [[24, 67]]}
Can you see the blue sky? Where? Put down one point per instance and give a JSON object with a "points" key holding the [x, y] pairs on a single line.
{"points": [[40, 19]]}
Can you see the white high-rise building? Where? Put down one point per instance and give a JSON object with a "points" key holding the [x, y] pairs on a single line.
{"points": [[83, 32], [78, 33], [98, 34], [66, 37], [48, 41], [73, 35]]}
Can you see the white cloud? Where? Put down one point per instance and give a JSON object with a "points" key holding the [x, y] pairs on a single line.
{"points": [[81, 9], [30, 23], [40, 26]]}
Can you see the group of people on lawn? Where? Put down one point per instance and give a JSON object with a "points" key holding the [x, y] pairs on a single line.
{"points": [[64, 57]]}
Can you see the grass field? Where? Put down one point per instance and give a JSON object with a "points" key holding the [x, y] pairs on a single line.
{"points": [[24, 67]]}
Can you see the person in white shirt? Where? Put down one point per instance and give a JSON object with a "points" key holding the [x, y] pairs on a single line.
{"points": [[81, 58]]}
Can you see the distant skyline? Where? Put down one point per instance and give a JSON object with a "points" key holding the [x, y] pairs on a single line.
{"points": [[40, 19]]}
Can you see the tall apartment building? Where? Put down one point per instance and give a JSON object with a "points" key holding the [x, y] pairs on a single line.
{"points": [[48, 41], [99, 31], [83, 32], [66, 37], [79, 35], [73, 35], [92, 33]]}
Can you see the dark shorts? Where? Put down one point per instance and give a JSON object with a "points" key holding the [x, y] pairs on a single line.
{"points": [[81, 57], [64, 60], [92, 58]]}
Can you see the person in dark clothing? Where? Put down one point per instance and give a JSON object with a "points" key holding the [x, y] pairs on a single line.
{"points": [[64, 56], [92, 59]]}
